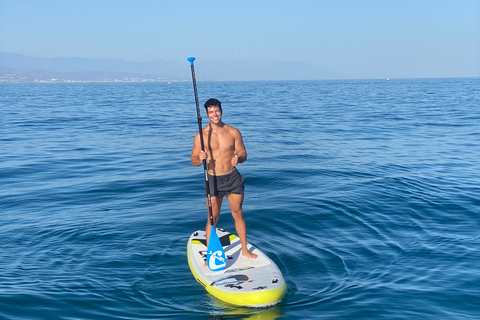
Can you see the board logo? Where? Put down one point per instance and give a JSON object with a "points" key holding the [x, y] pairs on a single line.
{"points": [[214, 258]]}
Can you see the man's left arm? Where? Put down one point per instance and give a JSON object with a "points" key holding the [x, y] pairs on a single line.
{"points": [[239, 148]]}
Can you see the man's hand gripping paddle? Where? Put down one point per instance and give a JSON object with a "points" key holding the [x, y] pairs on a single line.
{"points": [[215, 255]]}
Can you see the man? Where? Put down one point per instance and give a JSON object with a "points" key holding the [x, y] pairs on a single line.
{"points": [[224, 149]]}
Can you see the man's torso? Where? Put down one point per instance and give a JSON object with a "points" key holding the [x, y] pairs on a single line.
{"points": [[220, 145]]}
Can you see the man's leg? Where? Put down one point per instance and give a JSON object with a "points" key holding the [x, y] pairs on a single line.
{"points": [[236, 202]]}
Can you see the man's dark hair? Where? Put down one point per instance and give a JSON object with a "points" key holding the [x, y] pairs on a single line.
{"points": [[212, 102]]}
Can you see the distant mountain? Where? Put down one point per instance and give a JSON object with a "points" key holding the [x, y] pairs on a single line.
{"points": [[29, 69], [264, 70], [82, 69]]}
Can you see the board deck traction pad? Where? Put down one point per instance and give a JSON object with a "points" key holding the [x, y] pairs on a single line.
{"points": [[243, 281]]}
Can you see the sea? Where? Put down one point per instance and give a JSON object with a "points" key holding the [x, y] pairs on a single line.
{"points": [[365, 193]]}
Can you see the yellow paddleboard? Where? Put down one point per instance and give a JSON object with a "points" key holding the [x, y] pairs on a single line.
{"points": [[244, 282]]}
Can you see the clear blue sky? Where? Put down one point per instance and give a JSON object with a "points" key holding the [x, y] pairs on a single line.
{"points": [[408, 38]]}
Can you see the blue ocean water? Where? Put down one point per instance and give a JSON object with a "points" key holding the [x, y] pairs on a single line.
{"points": [[365, 193]]}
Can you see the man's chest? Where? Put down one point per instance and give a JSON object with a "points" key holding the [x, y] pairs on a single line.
{"points": [[220, 142]]}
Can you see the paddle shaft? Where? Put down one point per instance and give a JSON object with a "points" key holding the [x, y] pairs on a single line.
{"points": [[200, 131]]}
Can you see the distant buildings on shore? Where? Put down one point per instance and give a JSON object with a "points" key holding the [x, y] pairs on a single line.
{"points": [[16, 78]]}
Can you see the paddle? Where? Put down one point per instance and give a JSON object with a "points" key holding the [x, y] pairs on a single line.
{"points": [[215, 255]]}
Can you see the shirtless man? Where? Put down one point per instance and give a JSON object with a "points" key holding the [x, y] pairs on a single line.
{"points": [[224, 149]]}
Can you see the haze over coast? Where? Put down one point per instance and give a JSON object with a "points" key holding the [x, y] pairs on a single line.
{"points": [[16, 67]]}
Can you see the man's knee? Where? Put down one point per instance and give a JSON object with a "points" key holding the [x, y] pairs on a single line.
{"points": [[237, 214]]}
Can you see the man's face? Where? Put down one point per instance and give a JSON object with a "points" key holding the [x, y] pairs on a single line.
{"points": [[214, 113]]}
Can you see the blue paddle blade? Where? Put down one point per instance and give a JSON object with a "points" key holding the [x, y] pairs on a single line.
{"points": [[216, 259]]}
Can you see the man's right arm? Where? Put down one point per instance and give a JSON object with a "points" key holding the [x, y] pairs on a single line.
{"points": [[194, 158]]}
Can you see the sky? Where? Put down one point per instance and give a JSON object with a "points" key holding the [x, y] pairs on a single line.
{"points": [[356, 38]]}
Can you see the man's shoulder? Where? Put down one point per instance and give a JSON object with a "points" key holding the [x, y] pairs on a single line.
{"points": [[229, 127], [232, 130]]}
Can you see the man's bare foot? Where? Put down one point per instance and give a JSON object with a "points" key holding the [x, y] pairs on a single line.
{"points": [[248, 254]]}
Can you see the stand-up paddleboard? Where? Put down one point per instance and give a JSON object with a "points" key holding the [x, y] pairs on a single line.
{"points": [[243, 282]]}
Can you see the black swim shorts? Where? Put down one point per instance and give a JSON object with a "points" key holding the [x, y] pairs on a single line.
{"points": [[226, 184]]}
